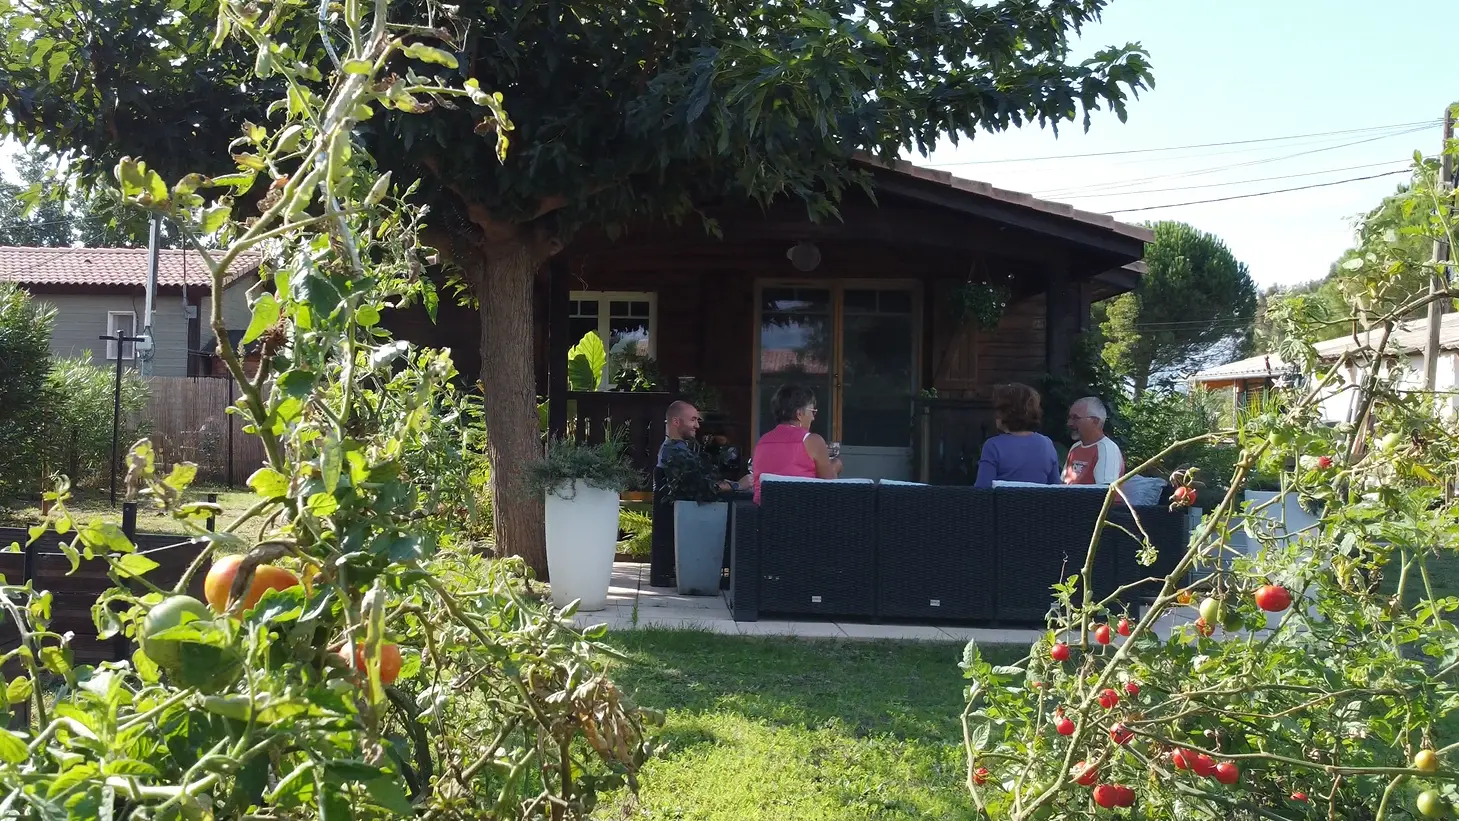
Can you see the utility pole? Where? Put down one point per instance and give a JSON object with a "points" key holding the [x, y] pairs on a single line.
{"points": [[121, 339], [1438, 278], [154, 241]]}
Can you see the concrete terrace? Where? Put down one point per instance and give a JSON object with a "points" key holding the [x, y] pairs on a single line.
{"points": [[664, 608]]}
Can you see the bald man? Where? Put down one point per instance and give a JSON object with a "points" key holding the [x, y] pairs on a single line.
{"points": [[681, 425]]}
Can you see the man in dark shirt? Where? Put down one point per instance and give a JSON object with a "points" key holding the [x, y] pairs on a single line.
{"points": [[681, 425]]}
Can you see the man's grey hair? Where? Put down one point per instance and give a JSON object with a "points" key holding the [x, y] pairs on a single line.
{"points": [[1093, 407]]}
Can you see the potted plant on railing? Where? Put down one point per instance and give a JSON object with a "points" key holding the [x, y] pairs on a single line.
{"points": [[692, 477], [580, 484]]}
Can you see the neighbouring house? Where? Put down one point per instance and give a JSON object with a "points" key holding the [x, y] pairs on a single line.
{"points": [[1247, 380], [98, 291], [861, 309]]}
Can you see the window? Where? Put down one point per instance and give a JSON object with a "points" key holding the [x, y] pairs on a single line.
{"points": [[126, 322], [623, 320]]}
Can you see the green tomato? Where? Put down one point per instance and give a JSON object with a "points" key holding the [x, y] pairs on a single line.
{"points": [[169, 613], [1430, 805], [1211, 611]]}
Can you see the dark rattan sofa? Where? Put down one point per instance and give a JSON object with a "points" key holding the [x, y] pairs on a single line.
{"points": [[860, 550]]}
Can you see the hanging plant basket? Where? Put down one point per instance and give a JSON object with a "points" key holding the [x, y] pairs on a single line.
{"points": [[979, 304]]}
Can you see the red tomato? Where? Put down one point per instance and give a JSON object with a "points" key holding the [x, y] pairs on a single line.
{"points": [[1228, 773], [1324, 462], [1060, 652], [1084, 773], [1180, 759], [1184, 496], [980, 776], [1132, 688], [1273, 598], [1107, 796], [266, 577], [1204, 765], [1065, 727], [1125, 798], [1299, 796], [1108, 699], [1124, 628], [1101, 634], [1203, 628], [1120, 734]]}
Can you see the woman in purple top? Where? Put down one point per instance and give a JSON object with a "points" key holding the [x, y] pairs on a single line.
{"points": [[1018, 454]]}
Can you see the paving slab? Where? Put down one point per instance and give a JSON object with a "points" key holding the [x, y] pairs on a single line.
{"points": [[802, 629], [901, 632], [992, 635]]}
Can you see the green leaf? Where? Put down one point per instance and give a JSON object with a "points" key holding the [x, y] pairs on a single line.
{"points": [[146, 669], [269, 483], [215, 218], [12, 749], [356, 67], [129, 766], [586, 361], [70, 779], [105, 537], [240, 182], [296, 383], [367, 316], [19, 689], [181, 477], [322, 504], [134, 565], [265, 315], [428, 54]]}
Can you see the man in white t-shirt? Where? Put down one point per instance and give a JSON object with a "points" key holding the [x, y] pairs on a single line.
{"points": [[1095, 459]]}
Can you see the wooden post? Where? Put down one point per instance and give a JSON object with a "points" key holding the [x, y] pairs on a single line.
{"points": [[559, 291], [1062, 321]]}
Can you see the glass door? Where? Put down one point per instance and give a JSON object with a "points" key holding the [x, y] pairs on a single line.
{"points": [[878, 378], [797, 347], [855, 345]]}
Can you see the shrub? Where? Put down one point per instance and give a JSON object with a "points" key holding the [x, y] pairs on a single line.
{"points": [[604, 466], [25, 339], [79, 402], [1157, 420]]}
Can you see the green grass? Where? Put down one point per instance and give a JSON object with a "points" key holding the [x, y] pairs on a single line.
{"points": [[86, 505], [780, 728]]}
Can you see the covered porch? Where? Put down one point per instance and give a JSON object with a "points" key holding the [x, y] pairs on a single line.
{"points": [[861, 310]]}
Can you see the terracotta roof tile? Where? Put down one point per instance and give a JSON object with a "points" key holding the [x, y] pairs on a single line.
{"points": [[108, 267], [1017, 198]]}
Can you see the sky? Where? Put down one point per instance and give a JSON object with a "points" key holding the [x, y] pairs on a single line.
{"points": [[1232, 70]]}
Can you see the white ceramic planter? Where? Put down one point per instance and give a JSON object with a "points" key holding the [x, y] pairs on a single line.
{"points": [[699, 546], [582, 533]]}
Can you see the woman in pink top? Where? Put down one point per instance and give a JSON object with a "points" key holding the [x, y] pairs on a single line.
{"points": [[790, 449]]}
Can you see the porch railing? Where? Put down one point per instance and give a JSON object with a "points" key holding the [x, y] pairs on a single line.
{"points": [[593, 416], [949, 439]]}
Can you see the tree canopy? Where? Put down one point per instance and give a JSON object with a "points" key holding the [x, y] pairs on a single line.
{"points": [[1195, 295], [619, 112], [39, 208]]}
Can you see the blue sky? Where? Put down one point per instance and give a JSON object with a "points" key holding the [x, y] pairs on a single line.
{"points": [[1228, 70]]}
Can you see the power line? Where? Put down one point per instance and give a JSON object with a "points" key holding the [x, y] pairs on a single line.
{"points": [[1258, 194], [1236, 182], [1424, 123], [1128, 183]]}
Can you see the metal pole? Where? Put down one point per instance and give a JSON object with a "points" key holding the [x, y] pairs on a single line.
{"points": [[121, 339], [154, 243], [228, 420], [116, 419], [1437, 279]]}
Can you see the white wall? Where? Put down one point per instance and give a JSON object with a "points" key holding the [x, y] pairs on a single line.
{"points": [[1340, 403], [81, 319]]}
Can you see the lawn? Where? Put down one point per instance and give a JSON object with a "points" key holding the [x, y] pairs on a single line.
{"points": [[88, 504], [777, 728]]}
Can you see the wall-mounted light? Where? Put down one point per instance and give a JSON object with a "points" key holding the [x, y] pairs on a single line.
{"points": [[804, 255]]}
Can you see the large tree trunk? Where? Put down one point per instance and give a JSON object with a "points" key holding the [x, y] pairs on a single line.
{"points": [[504, 276]]}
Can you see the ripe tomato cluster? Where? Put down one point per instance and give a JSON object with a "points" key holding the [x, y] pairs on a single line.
{"points": [[1110, 796], [1204, 766]]}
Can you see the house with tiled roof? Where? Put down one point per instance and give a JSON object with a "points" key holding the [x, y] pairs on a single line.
{"points": [[1249, 379], [98, 291]]}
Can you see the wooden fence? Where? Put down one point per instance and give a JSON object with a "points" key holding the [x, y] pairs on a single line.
{"points": [[189, 422]]}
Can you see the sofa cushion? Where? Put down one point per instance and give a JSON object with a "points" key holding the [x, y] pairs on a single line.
{"points": [[1144, 491]]}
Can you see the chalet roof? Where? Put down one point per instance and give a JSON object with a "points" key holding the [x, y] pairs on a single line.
{"points": [[1016, 198], [1408, 337], [109, 268]]}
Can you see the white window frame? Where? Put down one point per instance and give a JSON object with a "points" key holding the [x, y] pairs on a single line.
{"points": [[111, 331], [605, 297]]}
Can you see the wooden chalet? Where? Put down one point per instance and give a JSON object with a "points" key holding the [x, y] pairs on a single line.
{"points": [[861, 314]]}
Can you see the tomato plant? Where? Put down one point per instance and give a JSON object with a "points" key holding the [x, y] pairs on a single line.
{"points": [[1316, 678], [467, 695]]}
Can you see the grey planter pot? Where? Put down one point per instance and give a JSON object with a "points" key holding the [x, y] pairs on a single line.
{"points": [[699, 546]]}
